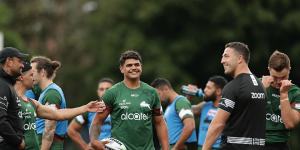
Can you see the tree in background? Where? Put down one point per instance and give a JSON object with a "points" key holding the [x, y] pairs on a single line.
{"points": [[179, 40]]}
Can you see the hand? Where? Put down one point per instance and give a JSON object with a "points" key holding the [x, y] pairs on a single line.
{"points": [[193, 87], [22, 145], [178, 147], [96, 106], [267, 80], [285, 86], [97, 145]]}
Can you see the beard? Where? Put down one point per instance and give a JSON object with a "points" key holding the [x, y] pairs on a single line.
{"points": [[16, 74], [211, 97]]}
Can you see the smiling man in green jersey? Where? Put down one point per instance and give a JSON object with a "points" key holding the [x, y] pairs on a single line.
{"points": [[30, 109], [283, 102], [132, 105]]}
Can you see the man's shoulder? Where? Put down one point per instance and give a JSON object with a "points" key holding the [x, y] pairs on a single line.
{"points": [[52, 92], [183, 99], [5, 88], [182, 102], [231, 85], [294, 93], [116, 86], [3, 84], [294, 88], [146, 86]]}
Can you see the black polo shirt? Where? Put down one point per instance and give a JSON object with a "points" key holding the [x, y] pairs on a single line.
{"points": [[245, 99]]}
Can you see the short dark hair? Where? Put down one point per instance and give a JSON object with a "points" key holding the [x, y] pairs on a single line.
{"points": [[241, 48], [47, 64], [129, 54], [159, 82], [278, 61], [109, 80], [27, 66], [219, 81]]}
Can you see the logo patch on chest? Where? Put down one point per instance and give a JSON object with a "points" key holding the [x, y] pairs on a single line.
{"points": [[145, 105]]}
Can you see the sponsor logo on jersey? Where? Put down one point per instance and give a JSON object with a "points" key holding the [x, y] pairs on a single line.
{"points": [[3, 99], [134, 95], [210, 116], [212, 112], [144, 104], [20, 114], [257, 95], [275, 95], [124, 104], [274, 118], [26, 114], [29, 126], [19, 102], [134, 116], [3, 103]]}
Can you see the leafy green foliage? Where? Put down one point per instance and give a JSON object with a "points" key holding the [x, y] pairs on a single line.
{"points": [[180, 40]]}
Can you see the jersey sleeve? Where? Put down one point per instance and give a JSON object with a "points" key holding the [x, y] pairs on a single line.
{"points": [[228, 100], [108, 98], [295, 99], [183, 108], [53, 98], [157, 109]]}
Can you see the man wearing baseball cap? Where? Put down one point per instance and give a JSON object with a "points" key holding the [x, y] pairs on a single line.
{"points": [[11, 126]]}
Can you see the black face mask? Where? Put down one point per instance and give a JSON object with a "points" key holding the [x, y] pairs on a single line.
{"points": [[212, 97]]}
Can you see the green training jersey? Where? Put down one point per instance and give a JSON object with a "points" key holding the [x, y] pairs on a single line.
{"points": [[131, 112], [28, 116], [275, 129], [184, 108]]}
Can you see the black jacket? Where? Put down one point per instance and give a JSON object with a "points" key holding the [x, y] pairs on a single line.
{"points": [[11, 125]]}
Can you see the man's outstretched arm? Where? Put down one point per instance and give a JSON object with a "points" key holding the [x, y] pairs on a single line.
{"points": [[44, 111]]}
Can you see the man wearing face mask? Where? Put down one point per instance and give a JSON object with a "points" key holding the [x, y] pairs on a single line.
{"points": [[208, 108], [283, 102]]}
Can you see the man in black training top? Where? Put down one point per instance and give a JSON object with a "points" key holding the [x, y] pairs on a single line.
{"points": [[241, 113], [11, 125]]}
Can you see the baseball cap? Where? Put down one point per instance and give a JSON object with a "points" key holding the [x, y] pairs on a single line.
{"points": [[11, 52], [27, 66]]}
